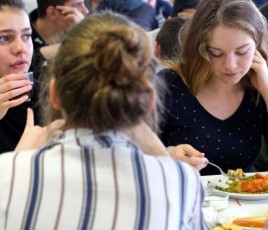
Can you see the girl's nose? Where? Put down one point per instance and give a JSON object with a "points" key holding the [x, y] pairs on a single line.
{"points": [[19, 47], [230, 62]]}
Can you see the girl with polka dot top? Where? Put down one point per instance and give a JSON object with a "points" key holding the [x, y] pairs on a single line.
{"points": [[218, 91]]}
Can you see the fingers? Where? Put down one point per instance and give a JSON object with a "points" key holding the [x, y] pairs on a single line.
{"points": [[57, 124], [200, 167], [12, 81], [30, 118], [188, 149], [188, 154], [71, 14], [11, 87], [55, 129], [56, 134], [14, 93], [12, 77], [196, 160]]}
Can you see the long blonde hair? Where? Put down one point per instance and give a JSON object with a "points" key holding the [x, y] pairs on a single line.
{"points": [[194, 66]]}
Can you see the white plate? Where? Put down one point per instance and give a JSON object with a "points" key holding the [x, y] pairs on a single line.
{"points": [[223, 182], [229, 214]]}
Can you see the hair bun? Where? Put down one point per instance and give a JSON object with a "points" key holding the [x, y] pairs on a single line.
{"points": [[119, 54]]}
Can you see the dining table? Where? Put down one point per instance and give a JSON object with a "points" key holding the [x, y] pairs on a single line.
{"points": [[234, 203]]}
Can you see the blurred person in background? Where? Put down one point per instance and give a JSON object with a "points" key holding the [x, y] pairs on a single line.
{"points": [[49, 23], [137, 11], [162, 8], [184, 8], [167, 42]]}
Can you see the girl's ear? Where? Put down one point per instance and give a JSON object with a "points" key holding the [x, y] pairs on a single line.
{"points": [[54, 100]]}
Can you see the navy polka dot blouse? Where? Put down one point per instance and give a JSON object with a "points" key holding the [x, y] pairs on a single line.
{"points": [[232, 143]]}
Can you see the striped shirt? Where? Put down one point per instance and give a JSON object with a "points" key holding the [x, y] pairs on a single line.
{"points": [[103, 181]]}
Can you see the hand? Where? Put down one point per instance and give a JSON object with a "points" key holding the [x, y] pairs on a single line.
{"points": [[50, 51], [187, 153], [72, 15], [259, 76], [13, 85], [35, 136]]}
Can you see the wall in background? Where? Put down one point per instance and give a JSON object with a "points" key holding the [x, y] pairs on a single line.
{"points": [[30, 5]]}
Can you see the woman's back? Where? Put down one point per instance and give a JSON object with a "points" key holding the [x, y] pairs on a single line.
{"points": [[97, 181]]}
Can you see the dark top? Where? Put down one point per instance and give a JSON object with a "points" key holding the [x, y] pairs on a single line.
{"points": [[137, 11], [180, 5], [232, 143], [13, 123], [163, 7], [144, 16], [259, 3], [38, 60]]}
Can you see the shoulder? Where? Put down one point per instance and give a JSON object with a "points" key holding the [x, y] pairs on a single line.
{"points": [[11, 160], [171, 77], [167, 72], [170, 167]]}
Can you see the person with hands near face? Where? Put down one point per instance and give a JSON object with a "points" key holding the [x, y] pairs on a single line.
{"points": [[72, 15], [219, 88], [49, 22]]}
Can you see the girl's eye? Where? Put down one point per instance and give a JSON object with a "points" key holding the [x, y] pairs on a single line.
{"points": [[26, 37], [242, 53], [215, 54], [77, 5], [4, 39]]}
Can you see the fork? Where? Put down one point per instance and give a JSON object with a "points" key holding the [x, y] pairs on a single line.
{"points": [[219, 168]]}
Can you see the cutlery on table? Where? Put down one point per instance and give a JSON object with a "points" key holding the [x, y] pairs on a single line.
{"points": [[218, 167]]}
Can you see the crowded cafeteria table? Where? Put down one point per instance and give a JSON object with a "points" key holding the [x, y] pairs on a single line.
{"points": [[234, 206]]}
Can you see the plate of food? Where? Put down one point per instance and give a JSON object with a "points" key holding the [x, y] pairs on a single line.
{"points": [[248, 217], [251, 186]]}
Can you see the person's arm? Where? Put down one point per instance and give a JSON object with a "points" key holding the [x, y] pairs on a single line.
{"points": [[35, 136], [150, 144], [143, 136]]}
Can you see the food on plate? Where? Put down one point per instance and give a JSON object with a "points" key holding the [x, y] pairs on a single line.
{"points": [[236, 174], [255, 184], [227, 227], [253, 222]]}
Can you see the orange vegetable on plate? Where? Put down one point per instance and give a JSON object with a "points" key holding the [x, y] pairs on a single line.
{"points": [[251, 222]]}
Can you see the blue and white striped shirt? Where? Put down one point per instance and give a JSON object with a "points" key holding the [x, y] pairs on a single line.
{"points": [[89, 181]]}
